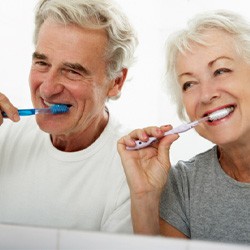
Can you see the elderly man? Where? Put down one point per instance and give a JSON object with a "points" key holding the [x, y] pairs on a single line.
{"points": [[63, 170]]}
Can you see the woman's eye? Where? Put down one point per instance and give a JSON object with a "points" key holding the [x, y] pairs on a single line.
{"points": [[221, 71], [187, 85]]}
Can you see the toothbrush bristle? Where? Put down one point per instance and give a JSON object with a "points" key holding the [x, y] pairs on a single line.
{"points": [[59, 108], [220, 114]]}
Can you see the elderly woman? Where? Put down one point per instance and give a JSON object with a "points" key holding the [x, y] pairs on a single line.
{"points": [[207, 197]]}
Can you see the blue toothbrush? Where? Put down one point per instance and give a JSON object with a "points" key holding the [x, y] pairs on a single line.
{"points": [[54, 109]]}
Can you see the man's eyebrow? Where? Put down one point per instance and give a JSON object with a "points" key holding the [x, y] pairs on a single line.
{"points": [[77, 67], [73, 66], [37, 55]]}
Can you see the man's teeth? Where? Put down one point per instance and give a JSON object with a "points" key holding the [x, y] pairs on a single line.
{"points": [[51, 104], [48, 104]]}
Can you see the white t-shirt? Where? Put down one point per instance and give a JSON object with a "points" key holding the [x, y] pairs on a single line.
{"points": [[42, 186]]}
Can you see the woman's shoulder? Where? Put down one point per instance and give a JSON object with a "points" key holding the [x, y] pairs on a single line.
{"points": [[201, 161]]}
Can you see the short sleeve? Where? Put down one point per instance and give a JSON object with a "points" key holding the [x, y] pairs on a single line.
{"points": [[174, 201]]}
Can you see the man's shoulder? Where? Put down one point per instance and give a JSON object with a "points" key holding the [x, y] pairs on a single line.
{"points": [[116, 128]]}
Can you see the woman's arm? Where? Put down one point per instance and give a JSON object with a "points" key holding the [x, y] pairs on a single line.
{"points": [[146, 171], [168, 230]]}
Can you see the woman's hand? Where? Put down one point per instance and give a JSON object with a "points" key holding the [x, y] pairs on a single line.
{"points": [[7, 107], [146, 170]]}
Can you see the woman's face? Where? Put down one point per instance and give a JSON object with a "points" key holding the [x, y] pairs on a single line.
{"points": [[212, 78]]}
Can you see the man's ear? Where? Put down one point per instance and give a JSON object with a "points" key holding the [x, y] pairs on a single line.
{"points": [[118, 82]]}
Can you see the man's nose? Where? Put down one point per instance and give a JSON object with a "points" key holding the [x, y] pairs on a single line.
{"points": [[51, 85]]}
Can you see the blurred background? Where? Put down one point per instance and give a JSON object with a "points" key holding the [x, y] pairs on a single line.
{"points": [[144, 101]]}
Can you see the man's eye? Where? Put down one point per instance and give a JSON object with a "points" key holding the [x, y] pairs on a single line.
{"points": [[72, 74], [40, 66], [221, 71], [40, 63]]}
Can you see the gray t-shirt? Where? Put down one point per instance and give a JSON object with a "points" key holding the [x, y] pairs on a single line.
{"points": [[203, 202]]}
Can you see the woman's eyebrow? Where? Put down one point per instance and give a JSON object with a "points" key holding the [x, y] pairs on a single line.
{"points": [[219, 58], [185, 73], [209, 64]]}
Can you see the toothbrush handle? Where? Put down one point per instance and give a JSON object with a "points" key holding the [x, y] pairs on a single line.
{"points": [[142, 144], [22, 112], [180, 129]]}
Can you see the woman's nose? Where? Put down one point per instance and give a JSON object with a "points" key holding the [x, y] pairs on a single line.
{"points": [[208, 92]]}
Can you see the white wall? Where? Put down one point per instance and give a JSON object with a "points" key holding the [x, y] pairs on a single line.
{"points": [[143, 102]]}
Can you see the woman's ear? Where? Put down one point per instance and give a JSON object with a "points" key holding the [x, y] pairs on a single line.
{"points": [[118, 82]]}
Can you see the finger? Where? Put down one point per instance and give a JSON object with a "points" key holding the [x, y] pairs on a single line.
{"points": [[154, 131], [123, 142], [129, 162], [164, 150], [140, 134], [7, 107], [166, 128]]}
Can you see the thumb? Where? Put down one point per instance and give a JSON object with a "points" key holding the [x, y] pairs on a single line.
{"points": [[164, 150]]}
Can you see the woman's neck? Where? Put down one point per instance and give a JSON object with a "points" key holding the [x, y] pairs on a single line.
{"points": [[235, 163]]}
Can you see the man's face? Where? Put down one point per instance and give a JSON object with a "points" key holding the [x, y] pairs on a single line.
{"points": [[69, 67]]}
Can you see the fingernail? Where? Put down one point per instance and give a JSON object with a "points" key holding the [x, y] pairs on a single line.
{"points": [[145, 136], [16, 118], [159, 131]]}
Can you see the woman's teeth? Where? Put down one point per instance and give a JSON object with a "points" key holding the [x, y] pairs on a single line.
{"points": [[219, 114]]}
